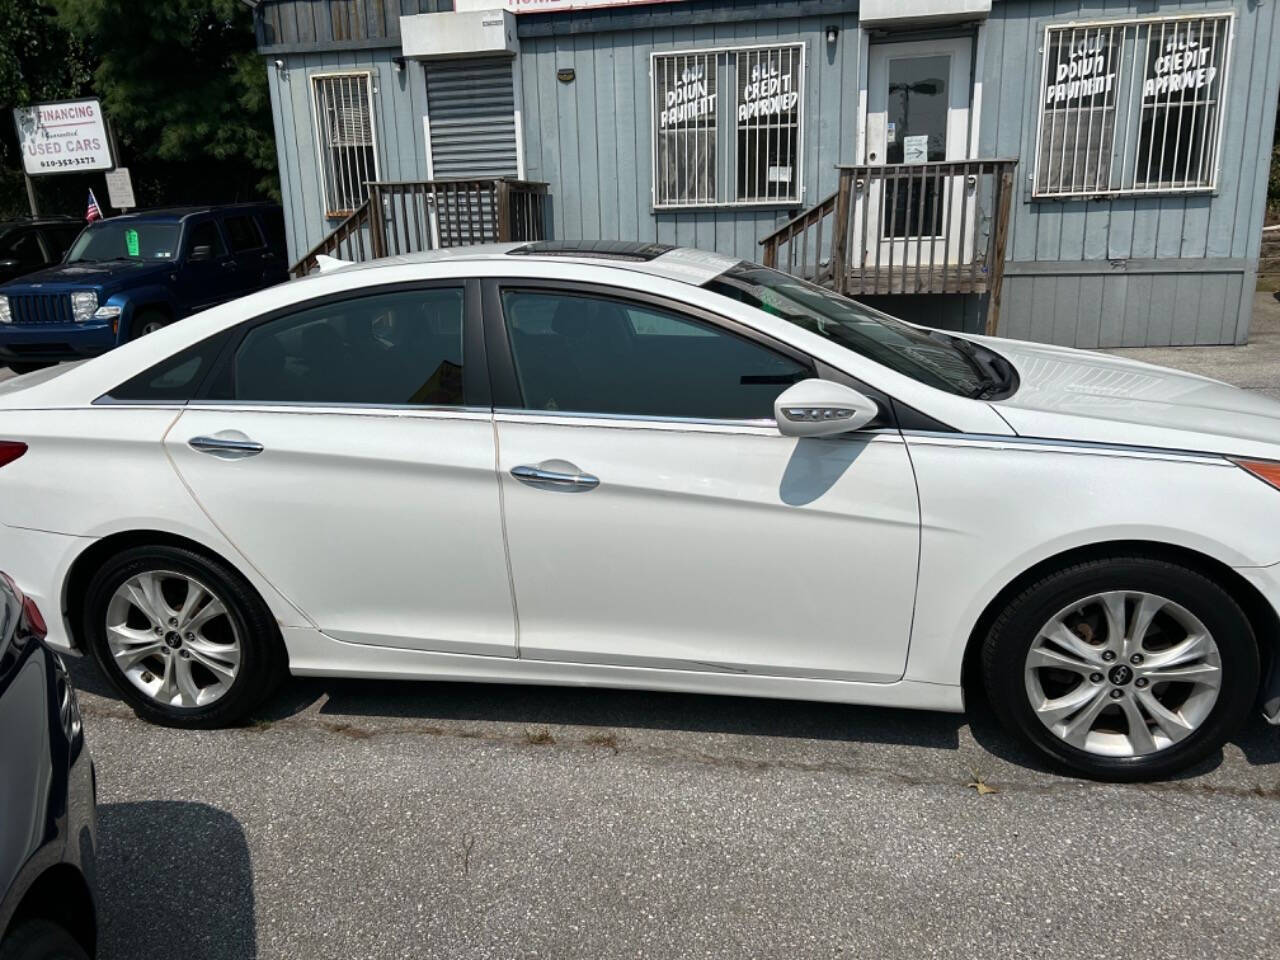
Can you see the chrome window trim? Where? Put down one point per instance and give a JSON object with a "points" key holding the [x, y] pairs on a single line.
{"points": [[1071, 447], [762, 427]]}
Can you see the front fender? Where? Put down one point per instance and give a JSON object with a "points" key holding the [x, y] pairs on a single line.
{"points": [[992, 511], [136, 299]]}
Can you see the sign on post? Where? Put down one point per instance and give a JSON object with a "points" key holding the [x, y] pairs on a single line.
{"points": [[120, 189], [65, 137]]}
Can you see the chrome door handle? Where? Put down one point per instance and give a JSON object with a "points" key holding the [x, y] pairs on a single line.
{"points": [[227, 448], [571, 479]]}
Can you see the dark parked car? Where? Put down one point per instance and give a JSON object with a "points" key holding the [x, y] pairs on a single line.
{"points": [[29, 245], [47, 796], [129, 275]]}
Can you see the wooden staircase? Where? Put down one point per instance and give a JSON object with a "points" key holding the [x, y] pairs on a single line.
{"points": [[897, 229]]}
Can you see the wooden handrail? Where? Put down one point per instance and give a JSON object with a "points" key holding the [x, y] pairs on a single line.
{"points": [[905, 228], [406, 216]]}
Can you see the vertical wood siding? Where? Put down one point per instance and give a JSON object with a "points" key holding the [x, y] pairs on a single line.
{"points": [[399, 104], [291, 22], [1132, 303], [1111, 272], [592, 139]]}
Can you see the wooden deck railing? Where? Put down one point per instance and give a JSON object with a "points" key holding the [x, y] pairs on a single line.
{"points": [[935, 227], [412, 216]]}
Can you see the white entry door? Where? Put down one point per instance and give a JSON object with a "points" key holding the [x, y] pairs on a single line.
{"points": [[918, 97]]}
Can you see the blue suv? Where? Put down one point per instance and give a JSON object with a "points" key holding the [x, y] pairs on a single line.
{"points": [[129, 275]]}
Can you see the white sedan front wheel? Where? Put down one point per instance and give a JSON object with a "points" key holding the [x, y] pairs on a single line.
{"points": [[1123, 669]]}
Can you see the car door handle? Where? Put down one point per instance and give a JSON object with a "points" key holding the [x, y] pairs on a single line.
{"points": [[570, 479], [226, 448]]}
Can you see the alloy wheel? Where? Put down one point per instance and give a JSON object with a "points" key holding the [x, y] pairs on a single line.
{"points": [[173, 638], [1123, 674]]}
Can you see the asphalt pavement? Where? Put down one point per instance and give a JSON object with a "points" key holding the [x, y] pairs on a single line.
{"points": [[356, 819]]}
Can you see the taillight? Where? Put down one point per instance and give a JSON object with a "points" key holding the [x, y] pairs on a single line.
{"points": [[1267, 471], [35, 620], [31, 614], [11, 450]]}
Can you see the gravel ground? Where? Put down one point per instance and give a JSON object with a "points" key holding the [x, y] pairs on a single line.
{"points": [[386, 820]]}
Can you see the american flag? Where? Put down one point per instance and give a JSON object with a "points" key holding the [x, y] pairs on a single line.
{"points": [[93, 211]]}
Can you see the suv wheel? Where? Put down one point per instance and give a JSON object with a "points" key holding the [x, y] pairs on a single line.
{"points": [[1123, 669], [149, 321]]}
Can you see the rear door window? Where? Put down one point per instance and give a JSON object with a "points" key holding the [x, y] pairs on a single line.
{"points": [[401, 348], [243, 234]]}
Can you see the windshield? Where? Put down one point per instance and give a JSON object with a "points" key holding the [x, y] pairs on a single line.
{"points": [[931, 359], [131, 240]]}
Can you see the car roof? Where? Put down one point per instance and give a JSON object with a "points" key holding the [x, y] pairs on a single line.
{"points": [[685, 264], [53, 220], [166, 214]]}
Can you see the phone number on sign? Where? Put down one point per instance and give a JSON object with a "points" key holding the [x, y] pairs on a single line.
{"points": [[69, 162]]}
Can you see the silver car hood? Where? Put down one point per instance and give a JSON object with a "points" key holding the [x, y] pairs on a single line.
{"points": [[1079, 395]]}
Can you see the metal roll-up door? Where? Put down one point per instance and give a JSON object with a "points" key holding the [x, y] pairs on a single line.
{"points": [[472, 114]]}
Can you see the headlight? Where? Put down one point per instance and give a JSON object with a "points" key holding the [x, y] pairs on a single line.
{"points": [[83, 305], [108, 312], [5, 315]]}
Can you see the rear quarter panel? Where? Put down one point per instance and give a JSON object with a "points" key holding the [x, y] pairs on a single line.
{"points": [[98, 471]]}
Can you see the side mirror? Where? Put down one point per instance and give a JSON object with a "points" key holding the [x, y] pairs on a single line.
{"points": [[201, 252], [821, 408]]}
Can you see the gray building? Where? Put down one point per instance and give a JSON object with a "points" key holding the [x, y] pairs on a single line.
{"points": [[1083, 172]]}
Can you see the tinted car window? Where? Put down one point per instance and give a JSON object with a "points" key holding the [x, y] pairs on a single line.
{"points": [[589, 354], [60, 239], [174, 379], [243, 233], [206, 235], [272, 222], [391, 348], [23, 246]]}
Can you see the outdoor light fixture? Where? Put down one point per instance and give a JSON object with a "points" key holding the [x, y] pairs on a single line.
{"points": [[832, 33], [279, 65], [398, 63]]}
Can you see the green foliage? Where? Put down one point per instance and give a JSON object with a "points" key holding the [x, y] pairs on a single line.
{"points": [[39, 61], [186, 92], [180, 82]]}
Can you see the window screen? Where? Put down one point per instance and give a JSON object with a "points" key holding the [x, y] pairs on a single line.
{"points": [[1132, 106], [588, 354], [728, 126], [348, 148]]}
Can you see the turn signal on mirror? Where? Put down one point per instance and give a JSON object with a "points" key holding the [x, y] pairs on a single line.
{"points": [[1268, 471]]}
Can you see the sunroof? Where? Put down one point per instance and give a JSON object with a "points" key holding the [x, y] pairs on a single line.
{"points": [[601, 249]]}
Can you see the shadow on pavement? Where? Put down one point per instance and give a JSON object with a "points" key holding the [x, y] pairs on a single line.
{"points": [[583, 706], [175, 881]]}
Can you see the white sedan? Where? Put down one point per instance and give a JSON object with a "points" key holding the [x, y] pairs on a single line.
{"points": [[637, 466]]}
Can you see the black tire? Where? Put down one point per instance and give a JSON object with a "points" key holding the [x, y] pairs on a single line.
{"points": [[149, 320], [263, 661], [41, 940], [1016, 628], [21, 368]]}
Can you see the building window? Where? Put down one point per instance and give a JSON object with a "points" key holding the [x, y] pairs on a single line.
{"points": [[1132, 106], [743, 149], [346, 139]]}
